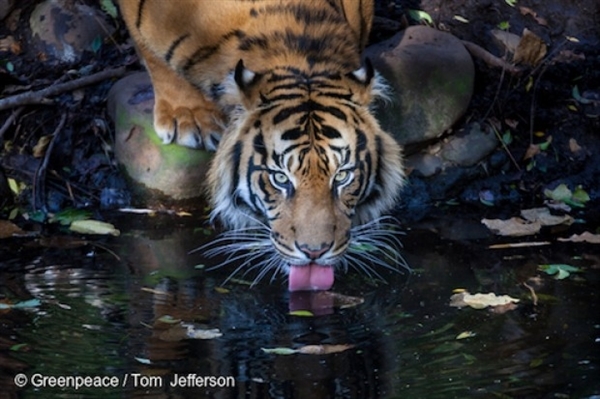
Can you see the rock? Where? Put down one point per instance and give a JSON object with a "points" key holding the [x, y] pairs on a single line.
{"points": [[470, 146], [64, 29], [5, 8], [426, 164], [155, 168], [432, 76]]}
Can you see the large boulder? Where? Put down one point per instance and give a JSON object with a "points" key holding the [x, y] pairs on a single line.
{"points": [[62, 30], [432, 76], [157, 170]]}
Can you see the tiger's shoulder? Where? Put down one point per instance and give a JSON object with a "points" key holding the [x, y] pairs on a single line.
{"points": [[203, 40]]}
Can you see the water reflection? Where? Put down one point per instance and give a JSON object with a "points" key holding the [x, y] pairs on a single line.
{"points": [[131, 316]]}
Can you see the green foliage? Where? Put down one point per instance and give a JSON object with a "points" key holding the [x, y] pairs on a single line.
{"points": [[559, 271], [108, 6], [421, 16]]}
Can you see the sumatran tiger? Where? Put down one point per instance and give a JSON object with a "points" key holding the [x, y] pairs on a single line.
{"points": [[302, 171]]}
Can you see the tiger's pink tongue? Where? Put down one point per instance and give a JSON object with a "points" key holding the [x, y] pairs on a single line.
{"points": [[311, 277]]}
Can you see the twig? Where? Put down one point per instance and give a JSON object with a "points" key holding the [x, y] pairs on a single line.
{"points": [[489, 58], [39, 186], [532, 291], [36, 97], [519, 245], [10, 120], [505, 147]]}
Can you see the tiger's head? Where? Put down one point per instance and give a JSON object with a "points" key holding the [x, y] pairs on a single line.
{"points": [[304, 172]]}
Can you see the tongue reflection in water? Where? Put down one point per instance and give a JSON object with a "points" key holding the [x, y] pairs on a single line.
{"points": [[310, 277]]}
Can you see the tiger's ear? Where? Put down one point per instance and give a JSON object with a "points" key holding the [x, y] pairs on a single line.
{"points": [[245, 85], [364, 74], [369, 84], [244, 78]]}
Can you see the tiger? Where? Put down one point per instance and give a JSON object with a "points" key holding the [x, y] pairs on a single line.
{"points": [[302, 171]]}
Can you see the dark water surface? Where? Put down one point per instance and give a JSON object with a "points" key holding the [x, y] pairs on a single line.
{"points": [[127, 321]]}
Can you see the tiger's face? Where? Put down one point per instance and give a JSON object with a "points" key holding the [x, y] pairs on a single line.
{"points": [[303, 170]]}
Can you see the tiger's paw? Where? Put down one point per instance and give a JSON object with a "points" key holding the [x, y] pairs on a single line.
{"points": [[196, 127]]}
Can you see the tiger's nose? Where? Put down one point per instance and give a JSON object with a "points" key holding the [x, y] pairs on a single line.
{"points": [[314, 253]]}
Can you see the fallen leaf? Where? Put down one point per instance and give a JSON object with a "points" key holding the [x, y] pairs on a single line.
{"points": [[562, 193], [420, 16], [109, 7], [323, 349], [532, 151], [91, 226], [513, 227], [168, 319], [528, 11], [480, 301], [9, 229], [40, 148], [543, 216], [279, 351], [10, 44], [465, 334], [531, 49], [583, 237], [28, 304], [199, 333], [509, 41], [301, 313], [559, 271], [573, 145]]}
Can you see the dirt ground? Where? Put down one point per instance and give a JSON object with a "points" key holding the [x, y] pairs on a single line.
{"points": [[548, 113]]}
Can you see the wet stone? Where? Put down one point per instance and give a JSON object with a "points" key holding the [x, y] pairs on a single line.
{"points": [[155, 169], [469, 146], [432, 76], [62, 30]]}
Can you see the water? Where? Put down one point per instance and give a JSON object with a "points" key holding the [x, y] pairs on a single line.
{"points": [[117, 310]]}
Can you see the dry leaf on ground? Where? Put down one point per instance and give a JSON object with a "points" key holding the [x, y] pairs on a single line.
{"points": [[9, 229], [513, 227], [583, 237], [325, 349], [90, 226], [480, 301], [543, 216], [531, 49]]}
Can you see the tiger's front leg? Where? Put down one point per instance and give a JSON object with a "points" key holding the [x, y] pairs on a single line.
{"points": [[182, 114]]}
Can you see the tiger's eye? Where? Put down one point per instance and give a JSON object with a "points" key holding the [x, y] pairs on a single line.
{"points": [[280, 178], [341, 176]]}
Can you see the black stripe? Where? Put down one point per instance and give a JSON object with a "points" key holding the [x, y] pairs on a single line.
{"points": [[330, 132], [292, 134], [200, 55], [203, 53], [174, 46], [236, 156], [306, 107], [259, 146], [138, 20], [247, 43]]}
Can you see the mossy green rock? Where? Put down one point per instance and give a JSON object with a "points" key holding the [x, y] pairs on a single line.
{"points": [[157, 169], [432, 76]]}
